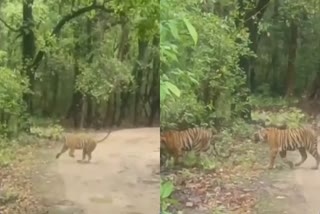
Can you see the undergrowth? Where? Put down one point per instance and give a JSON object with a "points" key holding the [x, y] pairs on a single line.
{"points": [[38, 130], [247, 157]]}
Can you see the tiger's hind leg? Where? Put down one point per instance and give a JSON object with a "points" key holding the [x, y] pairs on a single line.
{"points": [[89, 156], [63, 150], [316, 156], [283, 155], [71, 153], [84, 153], [304, 156]]}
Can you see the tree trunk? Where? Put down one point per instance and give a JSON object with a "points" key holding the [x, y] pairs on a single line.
{"points": [[138, 74], [77, 98], [275, 50], [55, 88], [292, 52], [123, 51], [251, 20], [89, 100], [155, 87], [28, 48]]}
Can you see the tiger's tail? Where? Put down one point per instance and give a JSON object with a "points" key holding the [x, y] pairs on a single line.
{"points": [[105, 137]]}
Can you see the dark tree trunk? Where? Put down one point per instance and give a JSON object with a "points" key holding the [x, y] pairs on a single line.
{"points": [[89, 101], [251, 20], [138, 75], [314, 93], [155, 87], [292, 53], [275, 49], [77, 99], [123, 51], [55, 88], [28, 48], [75, 110]]}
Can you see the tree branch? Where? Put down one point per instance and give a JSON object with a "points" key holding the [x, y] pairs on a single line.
{"points": [[9, 27], [61, 23]]}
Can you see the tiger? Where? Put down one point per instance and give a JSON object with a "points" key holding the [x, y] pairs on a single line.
{"points": [[196, 139], [76, 142], [290, 139]]}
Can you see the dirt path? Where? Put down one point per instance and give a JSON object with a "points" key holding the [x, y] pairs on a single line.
{"points": [[122, 177], [308, 182], [292, 191]]}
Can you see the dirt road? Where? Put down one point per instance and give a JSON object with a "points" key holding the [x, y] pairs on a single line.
{"points": [[292, 191], [122, 177], [308, 182]]}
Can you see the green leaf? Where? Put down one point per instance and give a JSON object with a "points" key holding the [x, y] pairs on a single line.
{"points": [[191, 30], [174, 30], [166, 189], [173, 89], [163, 91]]}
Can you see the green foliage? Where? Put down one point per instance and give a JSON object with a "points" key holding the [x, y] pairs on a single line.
{"points": [[272, 59], [202, 84], [172, 26], [12, 88], [185, 113], [242, 130], [12, 107], [101, 79], [7, 151], [55, 132], [292, 117], [96, 54], [166, 189], [264, 101]]}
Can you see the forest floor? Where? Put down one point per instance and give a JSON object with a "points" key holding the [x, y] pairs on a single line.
{"points": [[291, 191], [240, 188], [123, 178]]}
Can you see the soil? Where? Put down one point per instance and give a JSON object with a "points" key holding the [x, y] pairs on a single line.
{"points": [[122, 177]]}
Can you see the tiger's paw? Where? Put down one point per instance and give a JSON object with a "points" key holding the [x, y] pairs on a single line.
{"points": [[314, 168]]}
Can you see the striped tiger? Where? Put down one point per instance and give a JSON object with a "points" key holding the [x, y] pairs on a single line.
{"points": [[283, 140], [74, 142], [196, 139]]}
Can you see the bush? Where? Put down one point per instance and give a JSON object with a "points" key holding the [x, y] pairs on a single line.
{"points": [[12, 88], [291, 117], [166, 189]]}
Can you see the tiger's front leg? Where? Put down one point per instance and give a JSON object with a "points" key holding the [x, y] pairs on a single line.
{"points": [[272, 158], [177, 157], [71, 152], [283, 155]]}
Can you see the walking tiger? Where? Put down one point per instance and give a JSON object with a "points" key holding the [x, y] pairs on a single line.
{"points": [[283, 140], [196, 139], [74, 142]]}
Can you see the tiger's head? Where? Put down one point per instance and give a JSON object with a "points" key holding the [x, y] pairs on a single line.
{"points": [[163, 141], [168, 141], [260, 136]]}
